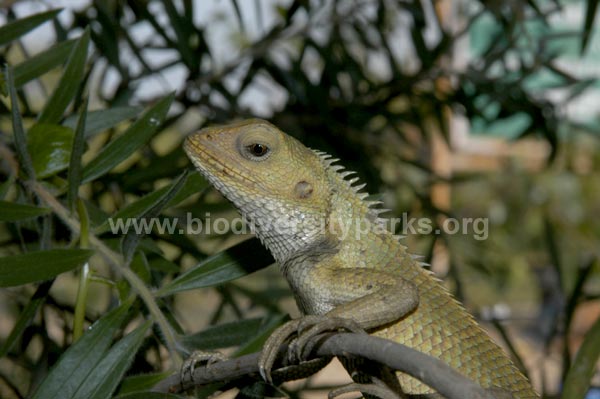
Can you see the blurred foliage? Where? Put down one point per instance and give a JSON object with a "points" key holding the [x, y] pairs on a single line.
{"points": [[91, 123]]}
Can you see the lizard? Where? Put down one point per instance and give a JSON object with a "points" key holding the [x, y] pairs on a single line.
{"points": [[302, 205]]}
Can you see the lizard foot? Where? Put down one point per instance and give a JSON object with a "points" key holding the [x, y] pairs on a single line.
{"points": [[205, 358], [304, 329], [372, 390]]}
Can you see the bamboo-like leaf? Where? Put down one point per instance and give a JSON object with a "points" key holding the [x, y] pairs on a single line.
{"points": [[12, 212], [223, 335], [17, 125], [18, 28], [131, 240], [588, 26], [40, 265], [99, 121], [150, 395], [142, 382], [43, 62], [580, 374], [235, 262], [192, 184], [75, 170], [26, 316], [107, 374], [69, 82], [81, 359], [132, 139]]}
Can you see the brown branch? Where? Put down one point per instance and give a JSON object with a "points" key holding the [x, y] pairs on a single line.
{"points": [[431, 371]]}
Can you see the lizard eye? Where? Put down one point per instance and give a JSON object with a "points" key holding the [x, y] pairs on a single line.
{"points": [[258, 150]]}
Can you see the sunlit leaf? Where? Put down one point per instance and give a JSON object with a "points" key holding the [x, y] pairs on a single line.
{"points": [[50, 148]]}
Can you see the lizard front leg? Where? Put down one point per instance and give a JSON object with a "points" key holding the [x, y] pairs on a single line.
{"points": [[359, 299]]}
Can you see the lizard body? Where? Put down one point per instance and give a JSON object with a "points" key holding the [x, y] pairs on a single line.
{"points": [[337, 256]]}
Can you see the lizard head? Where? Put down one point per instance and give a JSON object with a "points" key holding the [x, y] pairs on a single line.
{"points": [[277, 183]]}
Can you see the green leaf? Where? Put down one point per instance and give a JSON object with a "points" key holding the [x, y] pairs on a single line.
{"points": [[18, 28], [108, 373], [223, 335], [136, 383], [235, 262], [17, 124], [150, 395], [580, 374], [81, 359], [26, 316], [132, 139], [69, 82], [43, 62], [12, 212], [132, 239], [99, 121], [193, 184], [75, 170], [40, 265], [590, 16], [50, 148], [257, 342]]}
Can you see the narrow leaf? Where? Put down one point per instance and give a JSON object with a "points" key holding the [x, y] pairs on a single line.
{"points": [[580, 374], [193, 184], [75, 171], [82, 357], [11, 212], [150, 395], [40, 265], [69, 82], [235, 262], [99, 121], [108, 373], [132, 139], [131, 240], [257, 342], [18, 130], [224, 335], [588, 26], [18, 28], [26, 316], [43, 62], [137, 383]]}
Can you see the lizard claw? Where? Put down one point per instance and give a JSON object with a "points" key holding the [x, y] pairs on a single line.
{"points": [[305, 343], [305, 329], [271, 349], [198, 357]]}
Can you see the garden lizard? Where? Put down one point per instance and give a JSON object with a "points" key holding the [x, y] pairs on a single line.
{"points": [[337, 256]]}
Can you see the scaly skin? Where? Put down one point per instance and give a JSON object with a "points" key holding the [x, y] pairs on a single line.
{"points": [[306, 212]]}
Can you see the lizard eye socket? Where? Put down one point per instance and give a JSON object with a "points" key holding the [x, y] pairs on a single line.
{"points": [[257, 150]]}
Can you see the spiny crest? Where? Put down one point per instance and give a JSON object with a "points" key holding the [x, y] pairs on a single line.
{"points": [[374, 207]]}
